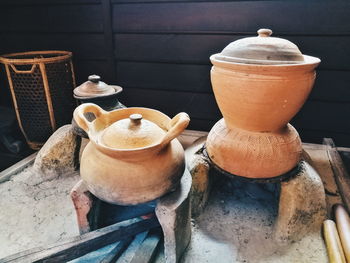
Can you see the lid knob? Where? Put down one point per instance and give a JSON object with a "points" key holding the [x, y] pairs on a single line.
{"points": [[264, 32], [135, 118], [94, 78]]}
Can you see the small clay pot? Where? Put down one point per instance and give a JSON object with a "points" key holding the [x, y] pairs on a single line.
{"points": [[133, 155], [96, 91], [254, 154]]}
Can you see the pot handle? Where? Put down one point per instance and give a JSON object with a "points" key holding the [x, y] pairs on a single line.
{"points": [[176, 126], [80, 118]]}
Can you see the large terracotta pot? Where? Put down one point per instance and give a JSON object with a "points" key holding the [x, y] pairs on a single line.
{"points": [[261, 97], [133, 155], [259, 83]]}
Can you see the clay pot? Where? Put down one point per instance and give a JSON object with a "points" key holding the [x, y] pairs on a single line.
{"points": [[259, 84], [254, 154], [96, 91], [254, 90], [133, 155]]}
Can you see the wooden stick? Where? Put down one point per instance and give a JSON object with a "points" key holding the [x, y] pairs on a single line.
{"points": [[331, 237], [147, 251], [80, 245], [341, 175], [117, 251], [343, 225]]}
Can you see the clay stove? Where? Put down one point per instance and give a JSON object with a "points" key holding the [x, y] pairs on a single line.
{"points": [[260, 83], [172, 210], [250, 145]]}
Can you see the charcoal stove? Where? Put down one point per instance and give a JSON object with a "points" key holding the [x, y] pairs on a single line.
{"points": [[172, 211]]}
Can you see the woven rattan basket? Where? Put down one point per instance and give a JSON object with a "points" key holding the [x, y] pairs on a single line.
{"points": [[41, 84]]}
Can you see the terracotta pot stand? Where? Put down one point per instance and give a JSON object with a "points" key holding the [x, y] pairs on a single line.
{"points": [[172, 210]]}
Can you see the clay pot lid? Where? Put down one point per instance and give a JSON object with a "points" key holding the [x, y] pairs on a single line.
{"points": [[131, 133], [263, 49], [94, 87]]}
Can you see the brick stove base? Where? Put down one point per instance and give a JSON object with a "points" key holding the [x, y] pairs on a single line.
{"points": [[172, 210]]}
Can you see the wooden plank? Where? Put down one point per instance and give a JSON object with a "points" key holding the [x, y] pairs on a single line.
{"points": [[321, 46], [108, 39], [340, 173], [75, 18], [234, 16], [319, 157], [6, 174], [58, 18], [148, 249], [166, 1], [117, 251], [331, 86], [25, 18], [83, 45], [84, 68], [196, 49], [323, 116], [316, 136], [45, 2], [78, 246], [172, 77], [202, 106]]}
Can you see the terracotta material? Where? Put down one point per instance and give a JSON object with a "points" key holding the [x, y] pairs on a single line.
{"points": [[262, 49], [343, 225], [334, 248], [259, 84], [260, 97], [254, 154], [94, 87], [144, 163], [255, 87]]}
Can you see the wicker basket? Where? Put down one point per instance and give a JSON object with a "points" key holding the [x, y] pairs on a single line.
{"points": [[41, 85]]}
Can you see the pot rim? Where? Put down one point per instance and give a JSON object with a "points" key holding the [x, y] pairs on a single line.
{"points": [[308, 61]]}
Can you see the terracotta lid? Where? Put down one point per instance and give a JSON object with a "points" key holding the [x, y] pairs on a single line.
{"points": [[263, 49], [133, 132], [94, 87]]}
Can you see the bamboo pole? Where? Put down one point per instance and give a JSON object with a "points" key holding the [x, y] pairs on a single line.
{"points": [[331, 237]]}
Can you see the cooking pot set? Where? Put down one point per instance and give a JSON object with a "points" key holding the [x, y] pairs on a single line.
{"points": [[260, 83]]}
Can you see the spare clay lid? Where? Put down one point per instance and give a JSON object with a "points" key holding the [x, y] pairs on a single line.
{"points": [[94, 87], [132, 133], [263, 49]]}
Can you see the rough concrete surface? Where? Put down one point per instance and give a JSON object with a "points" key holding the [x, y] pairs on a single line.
{"points": [[59, 155], [35, 212], [302, 205], [236, 225], [239, 228]]}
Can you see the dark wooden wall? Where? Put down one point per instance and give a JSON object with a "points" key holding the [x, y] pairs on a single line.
{"points": [[158, 50]]}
